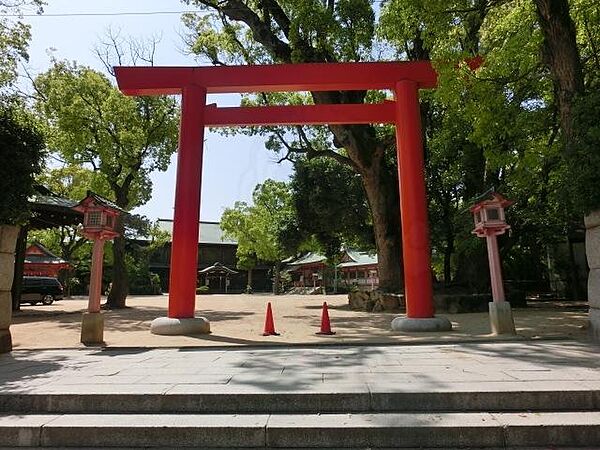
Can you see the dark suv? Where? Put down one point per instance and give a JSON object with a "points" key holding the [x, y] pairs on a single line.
{"points": [[41, 289]]}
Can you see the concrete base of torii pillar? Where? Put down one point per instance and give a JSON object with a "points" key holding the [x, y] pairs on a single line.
{"points": [[172, 326], [410, 325]]}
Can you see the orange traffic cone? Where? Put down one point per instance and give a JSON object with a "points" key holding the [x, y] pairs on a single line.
{"points": [[325, 324], [269, 324]]}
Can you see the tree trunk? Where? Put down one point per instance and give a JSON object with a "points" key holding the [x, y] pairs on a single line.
{"points": [[561, 54], [470, 260], [380, 181], [382, 193], [448, 251], [574, 280], [249, 282], [120, 283], [276, 277]]}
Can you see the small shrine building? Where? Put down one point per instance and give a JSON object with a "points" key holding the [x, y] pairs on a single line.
{"points": [[41, 262]]}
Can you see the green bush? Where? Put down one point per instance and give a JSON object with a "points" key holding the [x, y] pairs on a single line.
{"points": [[202, 290]]}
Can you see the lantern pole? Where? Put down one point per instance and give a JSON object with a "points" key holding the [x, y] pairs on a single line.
{"points": [[495, 268], [96, 275], [501, 318], [99, 218], [92, 322]]}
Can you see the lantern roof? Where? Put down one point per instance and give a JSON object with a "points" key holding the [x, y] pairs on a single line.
{"points": [[490, 197], [96, 199]]}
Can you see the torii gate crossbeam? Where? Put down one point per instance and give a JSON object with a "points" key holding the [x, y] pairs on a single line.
{"points": [[193, 84]]}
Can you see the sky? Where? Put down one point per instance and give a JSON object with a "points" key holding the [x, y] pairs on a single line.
{"points": [[233, 165]]}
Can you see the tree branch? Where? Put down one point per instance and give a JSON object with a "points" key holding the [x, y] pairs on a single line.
{"points": [[261, 31], [279, 15]]}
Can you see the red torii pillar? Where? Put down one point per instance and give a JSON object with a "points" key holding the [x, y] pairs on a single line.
{"points": [[193, 83]]}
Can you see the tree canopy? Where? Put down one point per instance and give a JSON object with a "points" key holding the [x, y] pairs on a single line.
{"points": [[21, 141], [524, 123], [89, 122], [21, 146]]}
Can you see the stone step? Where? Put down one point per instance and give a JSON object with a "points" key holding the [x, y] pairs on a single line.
{"points": [[440, 430], [225, 399]]}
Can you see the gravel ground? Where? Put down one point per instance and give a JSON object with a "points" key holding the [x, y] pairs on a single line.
{"points": [[239, 320]]}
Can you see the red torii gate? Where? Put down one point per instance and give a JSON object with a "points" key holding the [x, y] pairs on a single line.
{"points": [[193, 83]]}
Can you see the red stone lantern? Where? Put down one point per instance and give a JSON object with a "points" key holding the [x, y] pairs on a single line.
{"points": [[490, 222], [99, 217], [99, 224], [489, 217]]}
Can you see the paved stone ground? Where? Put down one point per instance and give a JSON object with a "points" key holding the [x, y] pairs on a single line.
{"points": [[242, 379], [239, 320], [500, 366]]}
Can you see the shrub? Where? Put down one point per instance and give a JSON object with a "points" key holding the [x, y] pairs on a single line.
{"points": [[202, 290]]}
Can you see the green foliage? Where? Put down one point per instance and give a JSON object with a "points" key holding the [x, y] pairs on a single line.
{"points": [[330, 206], [14, 40], [21, 145], [141, 280], [582, 165], [256, 228], [202, 290], [21, 142], [90, 122], [498, 126], [73, 181], [144, 237]]}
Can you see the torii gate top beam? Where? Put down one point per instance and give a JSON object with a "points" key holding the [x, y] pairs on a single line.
{"points": [[275, 78]]}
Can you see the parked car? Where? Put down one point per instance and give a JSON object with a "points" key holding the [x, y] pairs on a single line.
{"points": [[41, 289]]}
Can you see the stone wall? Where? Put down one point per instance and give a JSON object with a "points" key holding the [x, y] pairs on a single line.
{"points": [[8, 240], [592, 249], [376, 301]]}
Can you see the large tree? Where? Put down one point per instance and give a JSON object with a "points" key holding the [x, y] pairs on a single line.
{"points": [[288, 31], [509, 125], [122, 138], [525, 123]]}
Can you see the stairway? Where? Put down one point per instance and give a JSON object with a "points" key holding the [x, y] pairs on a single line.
{"points": [[344, 419], [479, 395]]}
